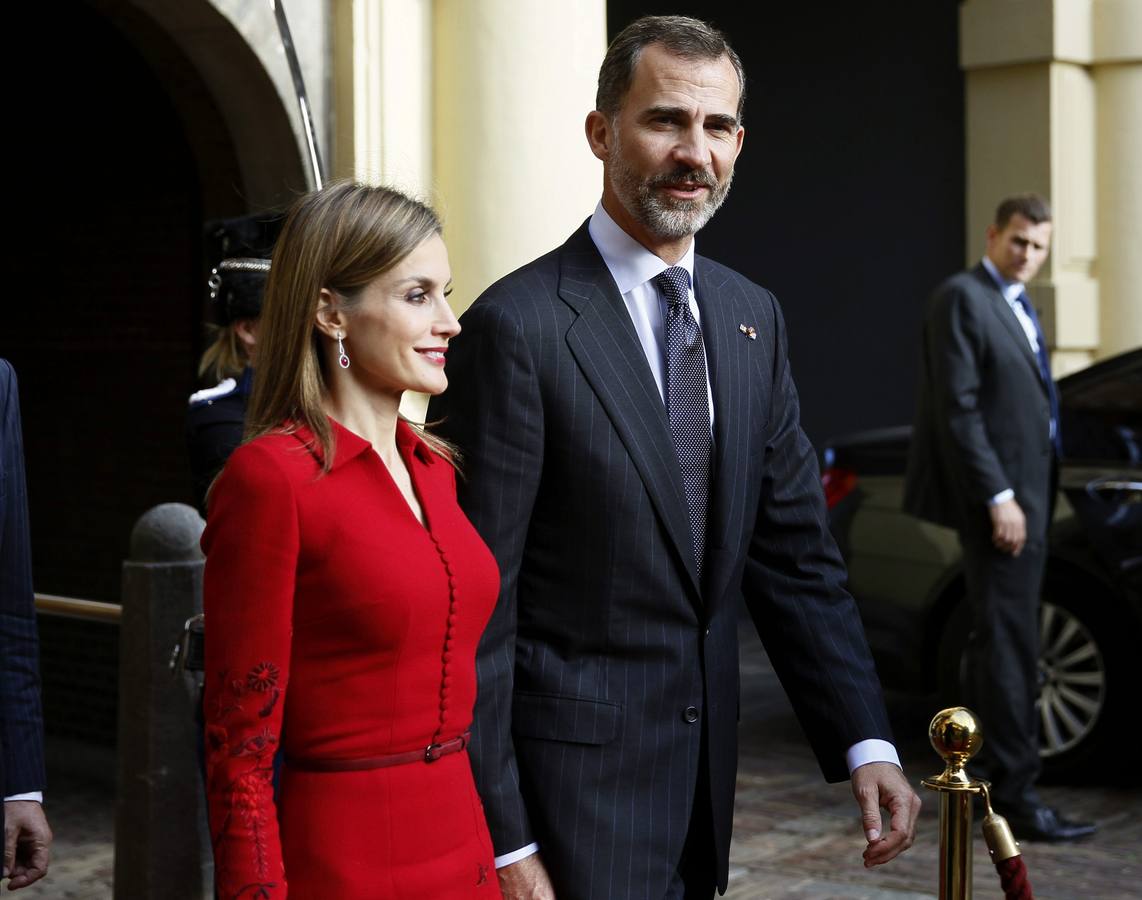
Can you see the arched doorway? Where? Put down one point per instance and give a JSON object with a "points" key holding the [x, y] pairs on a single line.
{"points": [[134, 125]]}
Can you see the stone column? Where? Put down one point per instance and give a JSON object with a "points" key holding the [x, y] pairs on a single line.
{"points": [[1118, 85], [513, 83], [1051, 103], [478, 107], [382, 92]]}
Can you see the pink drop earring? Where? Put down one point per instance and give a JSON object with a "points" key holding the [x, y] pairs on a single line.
{"points": [[343, 357]]}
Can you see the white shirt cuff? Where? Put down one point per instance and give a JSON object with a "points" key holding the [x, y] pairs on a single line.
{"points": [[516, 855], [1001, 497], [38, 796], [873, 750]]}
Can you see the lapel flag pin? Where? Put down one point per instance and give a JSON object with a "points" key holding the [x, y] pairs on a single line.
{"points": [[749, 331]]}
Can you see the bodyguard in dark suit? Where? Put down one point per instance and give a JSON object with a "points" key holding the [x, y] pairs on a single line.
{"points": [[630, 437], [982, 461], [27, 838]]}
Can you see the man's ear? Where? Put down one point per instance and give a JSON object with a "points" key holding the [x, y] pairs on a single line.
{"points": [[330, 316], [599, 134]]}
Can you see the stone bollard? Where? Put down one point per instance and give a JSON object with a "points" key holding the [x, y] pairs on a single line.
{"points": [[160, 849]]}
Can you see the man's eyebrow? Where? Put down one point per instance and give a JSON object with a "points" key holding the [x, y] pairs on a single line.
{"points": [[668, 112], [723, 120]]}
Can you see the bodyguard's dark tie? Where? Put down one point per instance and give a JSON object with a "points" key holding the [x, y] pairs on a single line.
{"points": [[1044, 371], [687, 402]]}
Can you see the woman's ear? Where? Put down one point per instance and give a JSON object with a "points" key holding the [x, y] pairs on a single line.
{"points": [[330, 316], [247, 331]]}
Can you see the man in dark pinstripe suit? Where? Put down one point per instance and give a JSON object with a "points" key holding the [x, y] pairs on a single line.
{"points": [[605, 743], [27, 838]]}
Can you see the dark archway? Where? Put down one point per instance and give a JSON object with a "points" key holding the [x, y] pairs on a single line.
{"points": [[136, 127]]}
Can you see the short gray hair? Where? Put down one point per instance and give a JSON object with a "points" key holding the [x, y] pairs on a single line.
{"points": [[681, 35]]}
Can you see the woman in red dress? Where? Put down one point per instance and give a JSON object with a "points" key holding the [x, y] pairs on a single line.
{"points": [[345, 591]]}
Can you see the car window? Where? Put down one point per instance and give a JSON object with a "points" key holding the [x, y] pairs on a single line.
{"points": [[1101, 417]]}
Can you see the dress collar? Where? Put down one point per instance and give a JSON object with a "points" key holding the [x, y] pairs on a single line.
{"points": [[348, 445]]}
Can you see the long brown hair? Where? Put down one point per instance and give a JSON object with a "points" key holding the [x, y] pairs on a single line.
{"points": [[226, 357], [341, 238]]}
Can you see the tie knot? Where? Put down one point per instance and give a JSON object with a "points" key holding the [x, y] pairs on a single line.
{"points": [[675, 284]]}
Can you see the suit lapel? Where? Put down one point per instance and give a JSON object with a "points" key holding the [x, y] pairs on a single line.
{"points": [[728, 358], [1010, 321], [605, 345]]}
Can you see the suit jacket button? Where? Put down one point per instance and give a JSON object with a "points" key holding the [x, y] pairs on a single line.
{"points": [[690, 714]]}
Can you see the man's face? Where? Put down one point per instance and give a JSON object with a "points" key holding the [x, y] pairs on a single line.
{"points": [[669, 152], [1018, 250]]}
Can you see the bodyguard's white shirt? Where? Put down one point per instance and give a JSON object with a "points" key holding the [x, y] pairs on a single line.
{"points": [[634, 269], [1011, 291]]}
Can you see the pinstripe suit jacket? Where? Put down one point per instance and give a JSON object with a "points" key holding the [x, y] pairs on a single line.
{"points": [[21, 722], [604, 642]]}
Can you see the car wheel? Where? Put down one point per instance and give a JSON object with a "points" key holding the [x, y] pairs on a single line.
{"points": [[1084, 678], [1087, 683], [1072, 681]]}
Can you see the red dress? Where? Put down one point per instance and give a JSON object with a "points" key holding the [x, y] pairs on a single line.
{"points": [[339, 627]]}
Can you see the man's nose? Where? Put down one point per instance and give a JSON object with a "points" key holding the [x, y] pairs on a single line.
{"points": [[693, 148]]}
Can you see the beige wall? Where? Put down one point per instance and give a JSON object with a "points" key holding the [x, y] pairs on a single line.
{"points": [[1054, 105]]}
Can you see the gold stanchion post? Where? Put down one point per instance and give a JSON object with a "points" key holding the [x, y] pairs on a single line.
{"points": [[955, 735]]}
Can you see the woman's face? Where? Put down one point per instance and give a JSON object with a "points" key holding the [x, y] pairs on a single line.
{"points": [[396, 336]]}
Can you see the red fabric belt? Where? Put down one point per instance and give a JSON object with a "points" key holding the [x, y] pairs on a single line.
{"points": [[431, 753]]}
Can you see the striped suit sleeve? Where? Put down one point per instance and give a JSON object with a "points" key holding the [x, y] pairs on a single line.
{"points": [[21, 719], [795, 589]]}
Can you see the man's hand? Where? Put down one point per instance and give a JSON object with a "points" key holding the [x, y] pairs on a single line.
{"points": [[27, 843], [526, 880], [877, 785], [1008, 527]]}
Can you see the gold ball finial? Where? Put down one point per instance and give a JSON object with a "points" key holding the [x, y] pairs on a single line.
{"points": [[956, 735]]}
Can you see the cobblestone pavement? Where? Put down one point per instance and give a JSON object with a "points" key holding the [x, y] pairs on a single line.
{"points": [[80, 805], [796, 838]]}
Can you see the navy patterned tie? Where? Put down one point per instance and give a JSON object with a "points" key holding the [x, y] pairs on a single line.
{"points": [[1044, 371], [687, 402]]}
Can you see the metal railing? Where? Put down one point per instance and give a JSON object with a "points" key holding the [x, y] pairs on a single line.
{"points": [[75, 608]]}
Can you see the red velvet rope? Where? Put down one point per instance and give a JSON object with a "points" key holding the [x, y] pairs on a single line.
{"points": [[1013, 877]]}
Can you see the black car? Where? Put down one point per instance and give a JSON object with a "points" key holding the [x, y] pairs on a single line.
{"points": [[907, 577]]}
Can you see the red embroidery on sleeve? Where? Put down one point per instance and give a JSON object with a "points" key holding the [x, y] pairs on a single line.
{"points": [[247, 761]]}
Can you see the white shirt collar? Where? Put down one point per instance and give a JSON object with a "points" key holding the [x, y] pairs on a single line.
{"points": [[630, 263], [1010, 289]]}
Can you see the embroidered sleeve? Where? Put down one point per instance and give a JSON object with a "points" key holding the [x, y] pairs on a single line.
{"points": [[251, 545]]}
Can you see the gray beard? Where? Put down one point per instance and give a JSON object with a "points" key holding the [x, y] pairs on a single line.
{"points": [[664, 216]]}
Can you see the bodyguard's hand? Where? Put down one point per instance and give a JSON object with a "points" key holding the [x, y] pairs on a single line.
{"points": [[526, 880], [877, 785], [1008, 527], [27, 843]]}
